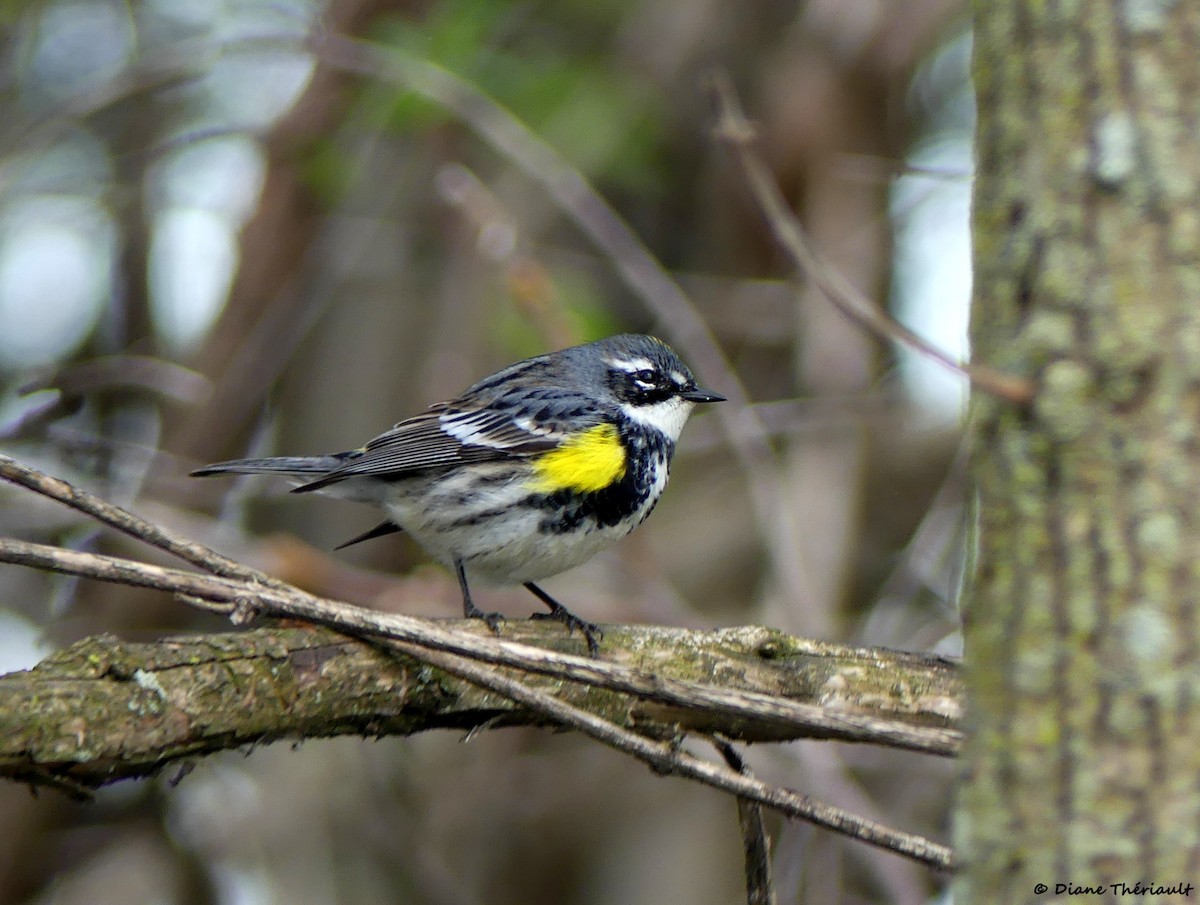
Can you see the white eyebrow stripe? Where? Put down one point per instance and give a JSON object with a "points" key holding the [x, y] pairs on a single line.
{"points": [[678, 377], [632, 364]]}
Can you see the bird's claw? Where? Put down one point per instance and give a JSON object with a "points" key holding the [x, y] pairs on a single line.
{"points": [[493, 620], [590, 631]]}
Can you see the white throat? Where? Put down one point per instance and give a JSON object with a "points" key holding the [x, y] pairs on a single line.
{"points": [[667, 417]]}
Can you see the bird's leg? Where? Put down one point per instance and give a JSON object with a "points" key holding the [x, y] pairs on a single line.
{"points": [[560, 613], [470, 611]]}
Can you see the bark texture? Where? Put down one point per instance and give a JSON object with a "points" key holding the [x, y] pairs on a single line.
{"points": [[105, 709], [1081, 627]]}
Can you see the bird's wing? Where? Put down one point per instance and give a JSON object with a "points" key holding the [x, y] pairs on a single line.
{"points": [[457, 433]]}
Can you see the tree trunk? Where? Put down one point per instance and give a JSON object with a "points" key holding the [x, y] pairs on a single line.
{"points": [[1081, 625]]}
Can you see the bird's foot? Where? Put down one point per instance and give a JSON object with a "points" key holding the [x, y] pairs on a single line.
{"points": [[590, 631], [493, 620]]}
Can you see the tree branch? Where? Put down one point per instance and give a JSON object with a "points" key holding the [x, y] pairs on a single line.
{"points": [[105, 710], [907, 700], [756, 844], [668, 758], [855, 694]]}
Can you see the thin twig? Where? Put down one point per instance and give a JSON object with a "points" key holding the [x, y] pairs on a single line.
{"points": [[227, 594], [433, 644], [290, 601], [756, 844], [736, 130], [667, 758], [126, 522], [439, 648]]}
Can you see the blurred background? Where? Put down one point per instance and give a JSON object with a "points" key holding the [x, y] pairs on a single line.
{"points": [[256, 227]]}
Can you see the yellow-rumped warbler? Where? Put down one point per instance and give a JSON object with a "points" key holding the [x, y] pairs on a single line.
{"points": [[530, 472]]}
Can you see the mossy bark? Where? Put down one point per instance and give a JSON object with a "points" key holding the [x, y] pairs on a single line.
{"points": [[1082, 633], [105, 709]]}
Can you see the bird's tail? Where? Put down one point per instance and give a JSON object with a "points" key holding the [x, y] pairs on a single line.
{"points": [[296, 466]]}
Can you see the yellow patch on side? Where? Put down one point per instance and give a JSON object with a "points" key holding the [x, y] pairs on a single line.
{"points": [[589, 461]]}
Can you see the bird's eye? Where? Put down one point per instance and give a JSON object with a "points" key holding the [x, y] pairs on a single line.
{"points": [[646, 377]]}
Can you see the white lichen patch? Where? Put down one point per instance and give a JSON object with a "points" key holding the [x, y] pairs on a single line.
{"points": [[1149, 643], [1147, 16], [1114, 149], [149, 681]]}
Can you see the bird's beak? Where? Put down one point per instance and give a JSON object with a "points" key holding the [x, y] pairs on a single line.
{"points": [[699, 394]]}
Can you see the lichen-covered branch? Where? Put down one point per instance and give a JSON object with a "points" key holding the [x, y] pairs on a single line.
{"points": [[651, 682], [105, 710]]}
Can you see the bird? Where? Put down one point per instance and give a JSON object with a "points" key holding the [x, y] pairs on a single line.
{"points": [[529, 472]]}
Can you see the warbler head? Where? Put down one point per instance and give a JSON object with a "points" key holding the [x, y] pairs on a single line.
{"points": [[645, 379], [629, 376]]}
